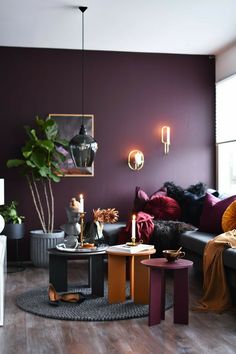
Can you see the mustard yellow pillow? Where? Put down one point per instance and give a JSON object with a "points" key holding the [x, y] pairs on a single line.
{"points": [[228, 221]]}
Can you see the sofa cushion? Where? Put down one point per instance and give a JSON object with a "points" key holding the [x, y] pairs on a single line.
{"points": [[229, 218], [163, 208], [195, 241], [212, 212]]}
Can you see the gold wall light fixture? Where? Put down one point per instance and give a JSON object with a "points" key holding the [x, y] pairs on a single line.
{"points": [[165, 138], [135, 160]]}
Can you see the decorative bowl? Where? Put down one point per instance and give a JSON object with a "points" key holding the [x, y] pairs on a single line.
{"points": [[173, 255]]}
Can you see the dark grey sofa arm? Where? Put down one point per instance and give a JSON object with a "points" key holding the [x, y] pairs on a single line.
{"points": [[111, 232]]}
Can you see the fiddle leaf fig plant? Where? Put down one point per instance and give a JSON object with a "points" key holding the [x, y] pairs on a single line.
{"points": [[40, 163]]}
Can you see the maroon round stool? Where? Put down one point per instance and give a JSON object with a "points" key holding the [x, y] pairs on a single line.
{"points": [[157, 289]]}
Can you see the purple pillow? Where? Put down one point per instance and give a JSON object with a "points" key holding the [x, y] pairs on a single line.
{"points": [[140, 199], [160, 193], [212, 212]]}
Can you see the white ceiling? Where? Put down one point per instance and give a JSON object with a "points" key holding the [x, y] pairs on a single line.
{"points": [[159, 26]]}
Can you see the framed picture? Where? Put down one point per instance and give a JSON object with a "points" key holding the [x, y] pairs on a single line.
{"points": [[69, 126]]}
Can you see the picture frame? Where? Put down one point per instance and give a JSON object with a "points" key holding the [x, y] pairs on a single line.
{"points": [[69, 126]]}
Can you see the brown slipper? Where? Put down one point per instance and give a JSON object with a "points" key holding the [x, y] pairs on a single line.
{"points": [[72, 297], [53, 297]]}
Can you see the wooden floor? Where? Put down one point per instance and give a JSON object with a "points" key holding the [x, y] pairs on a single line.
{"points": [[24, 333]]}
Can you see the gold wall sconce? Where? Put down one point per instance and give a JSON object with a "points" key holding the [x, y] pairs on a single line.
{"points": [[136, 160], [165, 138]]}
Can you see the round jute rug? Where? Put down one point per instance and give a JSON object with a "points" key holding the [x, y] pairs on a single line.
{"points": [[91, 309]]}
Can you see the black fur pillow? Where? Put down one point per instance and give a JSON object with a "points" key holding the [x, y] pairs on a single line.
{"points": [[166, 234], [174, 191], [198, 189]]}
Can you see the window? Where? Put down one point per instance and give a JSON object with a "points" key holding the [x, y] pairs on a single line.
{"points": [[226, 135]]}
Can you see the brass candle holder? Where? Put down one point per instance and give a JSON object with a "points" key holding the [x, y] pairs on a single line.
{"points": [[133, 241], [82, 216]]}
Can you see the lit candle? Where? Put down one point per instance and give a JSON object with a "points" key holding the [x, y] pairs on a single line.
{"points": [[133, 235], [81, 203]]}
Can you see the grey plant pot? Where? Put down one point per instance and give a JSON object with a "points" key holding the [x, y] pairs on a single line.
{"points": [[14, 231], [39, 244]]}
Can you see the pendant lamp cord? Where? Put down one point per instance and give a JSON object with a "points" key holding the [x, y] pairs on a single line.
{"points": [[82, 9], [82, 67]]}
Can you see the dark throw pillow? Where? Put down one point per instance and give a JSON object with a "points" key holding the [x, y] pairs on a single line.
{"points": [[199, 189], [174, 191], [212, 212], [192, 208]]}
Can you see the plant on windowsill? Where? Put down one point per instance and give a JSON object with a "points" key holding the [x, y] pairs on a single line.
{"points": [[40, 164], [14, 226]]}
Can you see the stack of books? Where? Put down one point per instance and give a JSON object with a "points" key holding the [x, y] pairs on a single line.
{"points": [[130, 249]]}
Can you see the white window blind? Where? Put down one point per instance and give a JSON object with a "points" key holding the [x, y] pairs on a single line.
{"points": [[226, 110]]}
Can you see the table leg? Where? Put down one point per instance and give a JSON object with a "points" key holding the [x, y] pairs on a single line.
{"points": [[58, 272], [116, 278], [131, 276], [97, 275], [157, 300], [181, 296], [141, 280]]}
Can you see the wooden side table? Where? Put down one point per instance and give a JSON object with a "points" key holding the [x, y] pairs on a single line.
{"points": [[139, 276], [158, 266]]}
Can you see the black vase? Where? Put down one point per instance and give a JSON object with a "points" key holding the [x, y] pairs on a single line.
{"points": [[14, 231]]}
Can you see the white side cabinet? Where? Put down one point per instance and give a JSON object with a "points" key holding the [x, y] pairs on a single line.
{"points": [[3, 243]]}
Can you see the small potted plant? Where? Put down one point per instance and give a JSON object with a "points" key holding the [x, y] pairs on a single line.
{"points": [[14, 226]]}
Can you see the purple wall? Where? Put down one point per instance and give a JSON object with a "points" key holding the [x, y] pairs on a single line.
{"points": [[132, 95]]}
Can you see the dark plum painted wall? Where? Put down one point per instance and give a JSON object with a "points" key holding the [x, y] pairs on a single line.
{"points": [[132, 95]]}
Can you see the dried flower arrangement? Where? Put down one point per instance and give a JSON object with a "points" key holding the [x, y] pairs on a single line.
{"points": [[109, 215]]}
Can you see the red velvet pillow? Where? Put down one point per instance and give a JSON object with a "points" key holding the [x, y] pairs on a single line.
{"points": [[212, 212], [141, 198], [163, 208]]}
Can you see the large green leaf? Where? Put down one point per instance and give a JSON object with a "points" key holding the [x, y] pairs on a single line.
{"points": [[46, 144], [39, 158], [15, 163], [62, 142], [30, 164]]}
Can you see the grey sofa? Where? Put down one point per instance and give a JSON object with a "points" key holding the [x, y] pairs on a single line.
{"points": [[194, 242]]}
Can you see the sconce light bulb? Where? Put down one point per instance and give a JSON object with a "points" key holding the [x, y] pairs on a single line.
{"points": [[135, 160], [165, 138]]}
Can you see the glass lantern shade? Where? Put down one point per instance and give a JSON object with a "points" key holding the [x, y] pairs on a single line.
{"points": [[83, 148]]}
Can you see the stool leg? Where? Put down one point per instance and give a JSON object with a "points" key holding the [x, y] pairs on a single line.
{"points": [[116, 279], [181, 299], [156, 304]]}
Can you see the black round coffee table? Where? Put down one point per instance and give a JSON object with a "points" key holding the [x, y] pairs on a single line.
{"points": [[58, 269]]}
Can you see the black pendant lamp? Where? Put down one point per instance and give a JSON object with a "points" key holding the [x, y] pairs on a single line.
{"points": [[83, 147]]}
